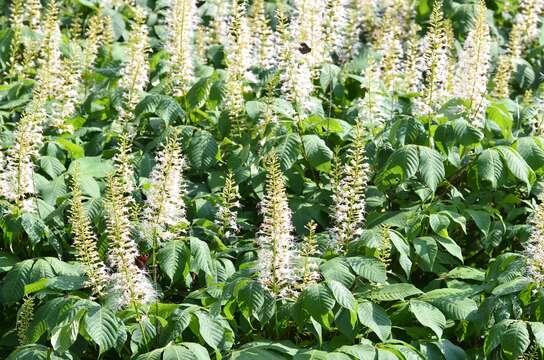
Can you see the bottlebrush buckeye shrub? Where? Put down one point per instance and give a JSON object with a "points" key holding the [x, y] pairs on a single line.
{"points": [[332, 179]]}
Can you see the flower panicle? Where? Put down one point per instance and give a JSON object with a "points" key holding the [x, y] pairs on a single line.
{"points": [[264, 40], [309, 249], [130, 284], [384, 253], [348, 199], [181, 23], [471, 73], [296, 72], [534, 250], [85, 243], [25, 316], [229, 201], [135, 70], [274, 239], [164, 213]]}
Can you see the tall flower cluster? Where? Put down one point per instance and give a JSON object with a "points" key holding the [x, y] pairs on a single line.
{"points": [[164, 212], [239, 59], [388, 45], [16, 18], [296, 73], [373, 107], [264, 44], [534, 251], [471, 74], [336, 24], [181, 23], [274, 238], [308, 28], [124, 164], [49, 77], [130, 284], [17, 177], [524, 31], [94, 36], [24, 319], [308, 251], [352, 30], [85, 244], [348, 199], [220, 24], [436, 64], [24, 50], [134, 74], [226, 217]]}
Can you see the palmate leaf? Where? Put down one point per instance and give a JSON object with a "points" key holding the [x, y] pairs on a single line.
{"points": [[202, 150], [103, 327], [428, 316], [369, 268], [318, 153], [317, 299], [392, 292], [165, 107], [342, 295], [490, 167], [30, 352], [214, 332], [431, 167], [374, 317], [517, 165], [410, 159], [173, 258]]}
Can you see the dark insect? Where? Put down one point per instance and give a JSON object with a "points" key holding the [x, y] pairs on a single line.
{"points": [[304, 48], [141, 260]]}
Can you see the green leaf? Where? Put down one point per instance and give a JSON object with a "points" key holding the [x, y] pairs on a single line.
{"points": [[338, 270], [499, 114], [173, 257], [517, 165], [537, 328], [329, 76], [394, 292], [401, 165], [203, 150], [65, 333], [375, 318], [288, 150], [431, 167], [200, 256], [450, 246], [515, 340], [52, 166], [317, 151], [34, 227], [211, 330], [342, 295], [426, 249], [511, 287], [252, 297], [7, 261], [318, 299], [103, 327], [91, 166], [30, 352], [428, 316], [198, 94], [490, 167], [369, 268], [165, 107]]}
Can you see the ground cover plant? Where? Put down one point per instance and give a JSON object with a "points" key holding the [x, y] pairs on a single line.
{"points": [[298, 179]]}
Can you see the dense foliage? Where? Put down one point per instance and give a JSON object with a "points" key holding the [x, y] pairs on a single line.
{"points": [[305, 179]]}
